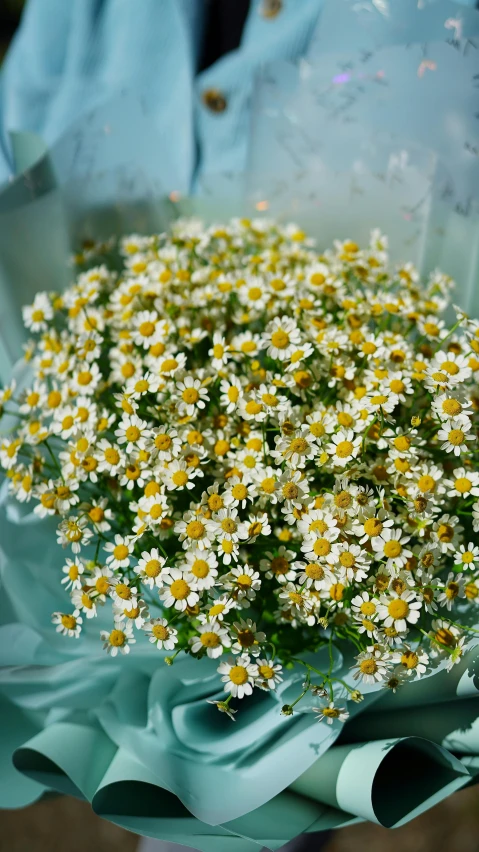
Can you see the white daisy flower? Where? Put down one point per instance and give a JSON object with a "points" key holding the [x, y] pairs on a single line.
{"points": [[282, 336], [372, 665], [331, 713], [343, 447], [118, 640], [212, 638], [161, 634], [269, 674], [73, 570], [179, 590], [414, 661], [120, 550], [399, 610], [453, 589], [455, 436], [37, 316], [68, 624], [192, 395], [391, 546], [239, 676]]}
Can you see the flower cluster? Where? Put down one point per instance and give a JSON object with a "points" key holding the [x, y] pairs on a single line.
{"points": [[255, 450]]}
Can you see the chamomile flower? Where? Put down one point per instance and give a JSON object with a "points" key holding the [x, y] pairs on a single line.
{"points": [[119, 639], [239, 676], [180, 590], [343, 447], [330, 713], [120, 550], [68, 624], [399, 610], [212, 638], [455, 436], [372, 665], [161, 634]]}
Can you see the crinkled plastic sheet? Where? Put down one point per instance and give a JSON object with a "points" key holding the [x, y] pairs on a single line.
{"points": [[379, 127]]}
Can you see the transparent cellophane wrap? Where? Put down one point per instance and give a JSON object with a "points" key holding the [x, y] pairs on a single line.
{"points": [[377, 127]]}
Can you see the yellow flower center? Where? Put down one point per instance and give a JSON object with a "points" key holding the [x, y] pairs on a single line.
{"points": [[160, 632], [445, 533], [112, 456], [368, 667], [228, 525], [266, 672], [120, 552], [290, 491], [210, 639], [222, 447], [238, 675], [117, 638], [279, 565], [450, 367], [456, 437], [346, 559], [344, 449], [345, 419], [163, 442], [280, 339], [463, 485], [452, 591], [132, 434], [321, 547], [239, 491], [336, 591], [152, 568], [195, 530], [147, 329], [402, 443], [252, 407], [200, 568], [467, 557], [398, 608], [392, 549], [180, 589], [426, 483], [179, 478], [69, 622], [451, 407], [445, 637], [123, 591], [190, 396], [270, 399], [409, 660], [215, 502], [373, 527], [314, 571], [368, 608]]}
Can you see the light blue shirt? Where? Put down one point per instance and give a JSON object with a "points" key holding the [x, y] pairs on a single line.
{"points": [[71, 55]]}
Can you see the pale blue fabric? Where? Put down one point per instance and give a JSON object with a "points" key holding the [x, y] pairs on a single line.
{"points": [[71, 55]]}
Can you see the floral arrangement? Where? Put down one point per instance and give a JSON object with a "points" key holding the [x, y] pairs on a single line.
{"points": [[255, 450]]}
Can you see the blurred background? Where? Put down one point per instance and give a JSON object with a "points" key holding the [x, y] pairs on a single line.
{"points": [[66, 825]]}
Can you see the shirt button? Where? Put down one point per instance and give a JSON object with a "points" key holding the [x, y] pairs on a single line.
{"points": [[271, 8], [214, 100]]}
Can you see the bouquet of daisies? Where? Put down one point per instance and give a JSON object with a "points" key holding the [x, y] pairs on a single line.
{"points": [[255, 451]]}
